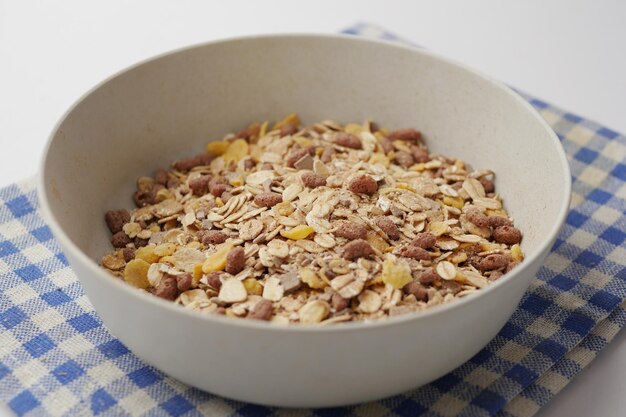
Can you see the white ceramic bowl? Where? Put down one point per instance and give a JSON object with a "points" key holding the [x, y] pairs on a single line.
{"points": [[170, 106]]}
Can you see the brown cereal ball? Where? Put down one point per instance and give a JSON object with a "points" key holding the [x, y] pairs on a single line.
{"points": [[312, 180], [235, 260], [261, 310], [424, 240], [268, 199], [409, 135], [200, 186], [404, 159], [363, 184], [347, 140], [167, 288], [494, 261], [116, 219], [357, 249], [352, 231], [417, 290], [388, 226], [508, 235], [414, 252], [120, 240], [212, 237]]}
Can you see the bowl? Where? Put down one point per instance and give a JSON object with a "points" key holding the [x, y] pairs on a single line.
{"points": [[171, 106]]}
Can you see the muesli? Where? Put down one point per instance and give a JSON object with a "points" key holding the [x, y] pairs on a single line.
{"points": [[323, 223]]}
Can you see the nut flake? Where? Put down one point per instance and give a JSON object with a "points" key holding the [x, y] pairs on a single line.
{"points": [[280, 223]]}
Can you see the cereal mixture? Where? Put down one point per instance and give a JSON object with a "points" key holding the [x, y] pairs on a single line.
{"points": [[323, 223]]}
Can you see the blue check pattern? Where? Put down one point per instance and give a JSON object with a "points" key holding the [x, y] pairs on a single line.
{"points": [[57, 359]]}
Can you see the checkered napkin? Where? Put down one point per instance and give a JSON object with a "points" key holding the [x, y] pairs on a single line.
{"points": [[56, 358]]}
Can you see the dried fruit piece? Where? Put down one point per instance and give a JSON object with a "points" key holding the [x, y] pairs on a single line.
{"points": [[396, 273]]}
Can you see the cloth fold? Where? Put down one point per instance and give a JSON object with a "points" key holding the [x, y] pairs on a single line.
{"points": [[57, 359]]}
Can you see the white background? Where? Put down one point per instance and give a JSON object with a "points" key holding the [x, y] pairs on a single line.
{"points": [[570, 53]]}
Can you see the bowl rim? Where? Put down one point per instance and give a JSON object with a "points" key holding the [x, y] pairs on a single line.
{"points": [[219, 320]]}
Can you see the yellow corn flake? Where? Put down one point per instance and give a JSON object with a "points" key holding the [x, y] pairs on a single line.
{"points": [[459, 164], [136, 273], [263, 130], [486, 246], [311, 278], [516, 253], [438, 228], [405, 186], [458, 257], [376, 241], [456, 202], [197, 274], [236, 182], [219, 202], [319, 151], [397, 273], [498, 212], [285, 208], [297, 233], [155, 229], [302, 141], [252, 286], [217, 148], [289, 119], [168, 259], [354, 129], [164, 194], [236, 151], [419, 167], [217, 260], [379, 158], [147, 254], [164, 249]]}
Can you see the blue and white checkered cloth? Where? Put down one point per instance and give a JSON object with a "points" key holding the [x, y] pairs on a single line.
{"points": [[56, 358]]}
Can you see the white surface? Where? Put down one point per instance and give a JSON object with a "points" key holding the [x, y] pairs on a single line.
{"points": [[569, 53]]}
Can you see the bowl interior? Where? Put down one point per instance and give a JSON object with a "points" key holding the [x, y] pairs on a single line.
{"points": [[170, 107]]}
